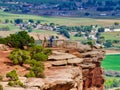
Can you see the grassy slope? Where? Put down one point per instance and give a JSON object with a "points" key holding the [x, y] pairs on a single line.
{"points": [[111, 62]]}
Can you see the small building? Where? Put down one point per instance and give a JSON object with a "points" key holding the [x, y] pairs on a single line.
{"points": [[116, 30], [103, 14], [107, 30]]}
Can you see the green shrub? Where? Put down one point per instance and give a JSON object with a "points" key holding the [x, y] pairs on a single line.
{"points": [[37, 69], [12, 75], [16, 83], [39, 53], [36, 49], [40, 57], [34, 56], [1, 78], [18, 40], [19, 56], [11, 83], [30, 74], [19, 83], [1, 87], [14, 80], [47, 51]]}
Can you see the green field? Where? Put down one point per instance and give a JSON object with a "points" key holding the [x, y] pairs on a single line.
{"points": [[111, 62], [69, 21], [111, 35], [77, 38], [12, 27]]}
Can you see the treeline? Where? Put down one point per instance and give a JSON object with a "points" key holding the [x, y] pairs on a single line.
{"points": [[100, 5]]}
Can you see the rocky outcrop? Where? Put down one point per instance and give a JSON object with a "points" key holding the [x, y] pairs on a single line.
{"points": [[69, 70], [90, 64], [4, 47]]}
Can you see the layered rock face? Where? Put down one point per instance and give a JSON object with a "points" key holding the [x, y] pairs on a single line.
{"points": [[89, 64], [93, 75], [67, 69]]}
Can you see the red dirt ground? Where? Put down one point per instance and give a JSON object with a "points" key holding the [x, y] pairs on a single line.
{"points": [[6, 65]]}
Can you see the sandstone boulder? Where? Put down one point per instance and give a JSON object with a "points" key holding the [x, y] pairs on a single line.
{"points": [[75, 61], [84, 48], [64, 56], [59, 63], [90, 65]]}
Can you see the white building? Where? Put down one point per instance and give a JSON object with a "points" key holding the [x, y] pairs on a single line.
{"points": [[116, 29], [107, 30]]}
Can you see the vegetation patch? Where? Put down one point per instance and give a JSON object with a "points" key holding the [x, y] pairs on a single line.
{"points": [[19, 56], [34, 56], [111, 62], [1, 87], [112, 82], [18, 40], [14, 80], [111, 35], [1, 78]]}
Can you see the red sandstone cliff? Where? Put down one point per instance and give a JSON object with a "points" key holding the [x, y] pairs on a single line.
{"points": [[69, 70]]}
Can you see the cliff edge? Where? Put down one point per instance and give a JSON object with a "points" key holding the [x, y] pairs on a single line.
{"points": [[69, 69]]}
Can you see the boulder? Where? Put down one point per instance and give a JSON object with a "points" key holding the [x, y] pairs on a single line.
{"points": [[59, 63], [90, 65], [62, 56], [34, 82], [84, 48], [75, 61]]}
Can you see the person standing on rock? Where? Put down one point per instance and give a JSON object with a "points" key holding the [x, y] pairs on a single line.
{"points": [[51, 41]]}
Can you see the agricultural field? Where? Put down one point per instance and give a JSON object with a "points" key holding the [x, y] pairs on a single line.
{"points": [[112, 62], [11, 27], [111, 35], [69, 21], [77, 38]]}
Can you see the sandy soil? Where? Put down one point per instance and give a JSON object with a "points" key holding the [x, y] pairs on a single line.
{"points": [[109, 52]]}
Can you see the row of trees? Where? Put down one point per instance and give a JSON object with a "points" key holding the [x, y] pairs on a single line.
{"points": [[77, 28], [19, 21]]}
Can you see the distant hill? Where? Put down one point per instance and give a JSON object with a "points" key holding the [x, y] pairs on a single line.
{"points": [[75, 8], [57, 1]]}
